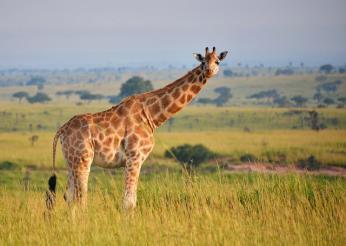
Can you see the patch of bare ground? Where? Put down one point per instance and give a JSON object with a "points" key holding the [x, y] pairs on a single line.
{"points": [[281, 168]]}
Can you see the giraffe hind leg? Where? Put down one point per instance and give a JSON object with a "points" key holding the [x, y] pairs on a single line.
{"points": [[77, 185]]}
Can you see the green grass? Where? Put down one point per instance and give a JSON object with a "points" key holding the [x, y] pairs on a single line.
{"points": [[271, 137], [242, 209], [212, 208], [328, 146], [19, 117]]}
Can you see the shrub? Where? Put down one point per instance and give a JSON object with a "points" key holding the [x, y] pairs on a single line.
{"points": [[248, 158], [228, 73], [311, 163], [284, 71], [190, 155], [299, 100], [40, 97], [7, 165], [326, 68], [265, 94]]}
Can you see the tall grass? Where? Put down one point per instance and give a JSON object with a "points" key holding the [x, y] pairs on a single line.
{"points": [[175, 209]]}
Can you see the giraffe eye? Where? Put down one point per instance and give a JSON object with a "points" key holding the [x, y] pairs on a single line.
{"points": [[217, 62]]}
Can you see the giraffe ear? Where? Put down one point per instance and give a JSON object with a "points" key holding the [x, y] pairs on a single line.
{"points": [[222, 55], [198, 57]]}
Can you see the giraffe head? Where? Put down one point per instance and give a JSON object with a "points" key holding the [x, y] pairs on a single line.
{"points": [[210, 62]]}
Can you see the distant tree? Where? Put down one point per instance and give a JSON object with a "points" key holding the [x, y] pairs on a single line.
{"points": [[342, 70], [318, 96], [328, 101], [33, 139], [66, 93], [38, 81], [91, 97], [224, 95], [40, 97], [299, 100], [228, 73], [342, 100], [326, 68], [114, 99], [284, 71], [205, 100], [314, 120], [265, 94], [281, 101], [81, 92], [330, 87], [135, 85], [20, 95]]}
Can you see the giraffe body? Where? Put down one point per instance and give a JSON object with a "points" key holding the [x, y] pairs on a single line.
{"points": [[122, 136]]}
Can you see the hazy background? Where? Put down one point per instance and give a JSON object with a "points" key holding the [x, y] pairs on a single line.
{"points": [[84, 33]]}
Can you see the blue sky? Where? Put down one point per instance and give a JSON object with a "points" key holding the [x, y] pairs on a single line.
{"points": [[79, 33]]}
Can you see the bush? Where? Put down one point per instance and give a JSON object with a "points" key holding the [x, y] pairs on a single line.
{"points": [[327, 68], [311, 163], [265, 94], [40, 97], [285, 71], [7, 165], [248, 158], [228, 73], [190, 155]]}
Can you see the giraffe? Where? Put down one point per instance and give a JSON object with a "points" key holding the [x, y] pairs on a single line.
{"points": [[122, 136]]}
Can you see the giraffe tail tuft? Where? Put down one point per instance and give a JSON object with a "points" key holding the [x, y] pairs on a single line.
{"points": [[50, 193]]}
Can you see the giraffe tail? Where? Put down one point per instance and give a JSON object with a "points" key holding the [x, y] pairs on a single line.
{"points": [[50, 193]]}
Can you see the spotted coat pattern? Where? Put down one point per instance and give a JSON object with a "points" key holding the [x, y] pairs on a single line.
{"points": [[122, 136]]}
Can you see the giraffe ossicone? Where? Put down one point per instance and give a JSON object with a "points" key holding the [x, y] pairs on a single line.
{"points": [[122, 136]]}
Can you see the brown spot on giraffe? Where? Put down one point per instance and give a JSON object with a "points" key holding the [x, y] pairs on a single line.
{"points": [[174, 108], [155, 108], [185, 87], [182, 99], [195, 89], [176, 93], [166, 100], [123, 134]]}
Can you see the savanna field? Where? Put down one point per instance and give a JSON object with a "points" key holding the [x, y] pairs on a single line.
{"points": [[214, 205]]}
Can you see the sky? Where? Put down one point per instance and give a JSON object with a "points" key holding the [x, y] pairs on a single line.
{"points": [[85, 33]]}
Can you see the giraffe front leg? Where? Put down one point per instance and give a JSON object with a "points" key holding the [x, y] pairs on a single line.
{"points": [[132, 171]]}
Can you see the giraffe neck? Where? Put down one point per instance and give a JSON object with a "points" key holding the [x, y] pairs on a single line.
{"points": [[165, 102]]}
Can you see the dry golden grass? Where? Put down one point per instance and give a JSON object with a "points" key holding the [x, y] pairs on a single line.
{"points": [[172, 209]]}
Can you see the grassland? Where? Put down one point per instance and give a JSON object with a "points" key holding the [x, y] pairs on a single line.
{"points": [[243, 209], [280, 146], [272, 135], [212, 208]]}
